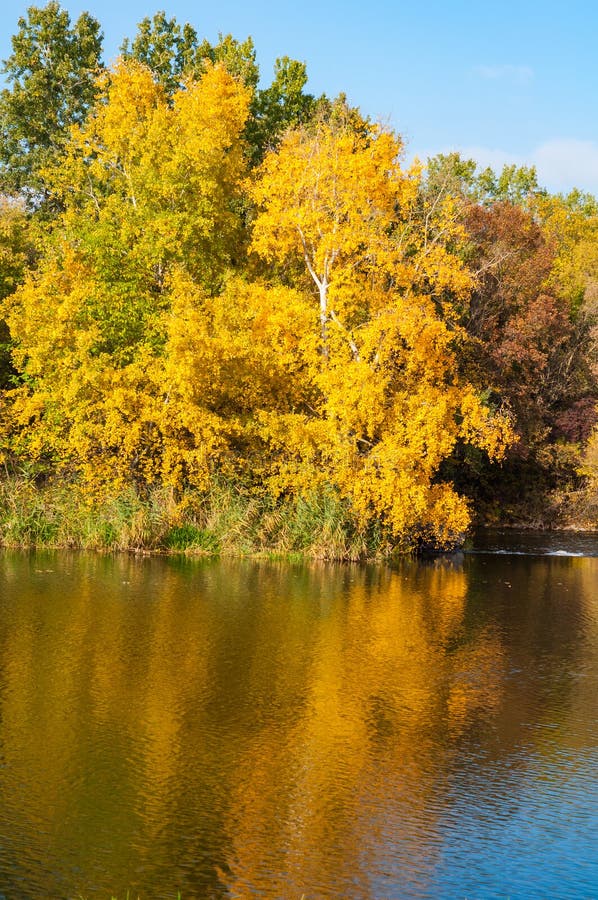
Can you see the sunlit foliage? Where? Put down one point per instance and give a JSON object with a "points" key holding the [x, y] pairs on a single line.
{"points": [[207, 282], [149, 189], [391, 404]]}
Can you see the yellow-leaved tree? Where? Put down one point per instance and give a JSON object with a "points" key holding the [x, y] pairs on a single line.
{"points": [[153, 350], [151, 188], [387, 403]]}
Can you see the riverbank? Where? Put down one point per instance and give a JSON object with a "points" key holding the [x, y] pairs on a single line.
{"points": [[223, 521], [573, 509]]}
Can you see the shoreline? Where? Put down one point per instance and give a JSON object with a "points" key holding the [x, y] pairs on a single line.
{"points": [[224, 521]]}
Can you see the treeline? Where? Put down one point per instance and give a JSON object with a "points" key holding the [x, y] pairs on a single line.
{"points": [[220, 296]]}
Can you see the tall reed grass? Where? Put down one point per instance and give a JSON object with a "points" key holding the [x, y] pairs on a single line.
{"points": [[223, 520]]}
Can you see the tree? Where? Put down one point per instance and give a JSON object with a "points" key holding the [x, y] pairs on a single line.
{"points": [[531, 324], [532, 338], [173, 52], [515, 184], [451, 174], [52, 75], [280, 106], [571, 222], [166, 48], [529, 348], [391, 405], [149, 190]]}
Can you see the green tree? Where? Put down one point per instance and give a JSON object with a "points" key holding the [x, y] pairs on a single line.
{"points": [[450, 173], [51, 75], [174, 52], [165, 47], [514, 184], [282, 105]]}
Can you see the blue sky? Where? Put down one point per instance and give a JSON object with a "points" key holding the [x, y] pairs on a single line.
{"points": [[501, 81]]}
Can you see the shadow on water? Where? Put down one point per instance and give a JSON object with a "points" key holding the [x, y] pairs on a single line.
{"points": [[239, 728]]}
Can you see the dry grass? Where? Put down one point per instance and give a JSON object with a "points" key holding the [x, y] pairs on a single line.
{"points": [[222, 521]]}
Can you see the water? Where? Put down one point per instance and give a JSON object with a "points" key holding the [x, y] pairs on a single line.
{"points": [[255, 729]]}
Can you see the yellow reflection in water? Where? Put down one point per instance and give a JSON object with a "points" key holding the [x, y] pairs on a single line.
{"points": [[295, 722], [379, 685]]}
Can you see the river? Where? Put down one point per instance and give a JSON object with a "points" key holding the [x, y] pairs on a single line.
{"points": [[427, 729]]}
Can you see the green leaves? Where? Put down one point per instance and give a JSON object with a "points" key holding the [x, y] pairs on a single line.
{"points": [[52, 73]]}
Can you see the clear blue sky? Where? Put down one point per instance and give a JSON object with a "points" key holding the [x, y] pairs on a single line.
{"points": [[502, 81]]}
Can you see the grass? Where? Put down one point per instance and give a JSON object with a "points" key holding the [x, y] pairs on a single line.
{"points": [[224, 521]]}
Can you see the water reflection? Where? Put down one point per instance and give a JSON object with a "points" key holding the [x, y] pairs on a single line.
{"points": [[259, 729]]}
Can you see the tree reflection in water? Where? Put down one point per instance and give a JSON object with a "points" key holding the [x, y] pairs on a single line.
{"points": [[236, 728]]}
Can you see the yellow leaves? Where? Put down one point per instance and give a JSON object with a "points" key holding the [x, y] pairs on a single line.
{"points": [[480, 427], [149, 190], [42, 315], [341, 202], [154, 181], [241, 350], [325, 193], [392, 403], [15, 244], [572, 224], [134, 101], [111, 142], [381, 447], [589, 462], [210, 114], [146, 360]]}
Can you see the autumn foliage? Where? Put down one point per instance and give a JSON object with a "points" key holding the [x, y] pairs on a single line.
{"points": [[298, 317]]}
